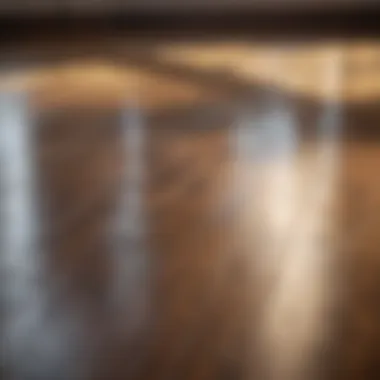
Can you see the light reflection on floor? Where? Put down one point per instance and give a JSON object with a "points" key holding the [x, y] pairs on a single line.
{"points": [[288, 197], [283, 185], [36, 336]]}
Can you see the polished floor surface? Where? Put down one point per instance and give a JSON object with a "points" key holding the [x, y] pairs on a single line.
{"points": [[190, 208]]}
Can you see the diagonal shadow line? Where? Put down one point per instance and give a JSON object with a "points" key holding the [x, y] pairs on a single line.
{"points": [[232, 93], [360, 121], [222, 82], [229, 94], [228, 89], [146, 58]]}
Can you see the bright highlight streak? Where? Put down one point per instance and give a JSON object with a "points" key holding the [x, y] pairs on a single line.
{"points": [[37, 345], [129, 245], [288, 201]]}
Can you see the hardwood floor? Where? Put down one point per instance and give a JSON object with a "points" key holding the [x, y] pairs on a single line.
{"points": [[190, 208]]}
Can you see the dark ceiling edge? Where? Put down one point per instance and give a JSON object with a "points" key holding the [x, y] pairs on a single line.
{"points": [[345, 23]]}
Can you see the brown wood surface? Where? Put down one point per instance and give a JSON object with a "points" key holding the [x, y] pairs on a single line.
{"points": [[185, 208]]}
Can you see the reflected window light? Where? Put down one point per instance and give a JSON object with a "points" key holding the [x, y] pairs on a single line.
{"points": [[36, 346], [288, 197], [128, 239]]}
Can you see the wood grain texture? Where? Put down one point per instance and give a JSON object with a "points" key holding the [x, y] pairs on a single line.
{"points": [[196, 209]]}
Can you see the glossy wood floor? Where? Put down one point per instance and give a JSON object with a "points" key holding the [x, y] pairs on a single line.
{"points": [[186, 208]]}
